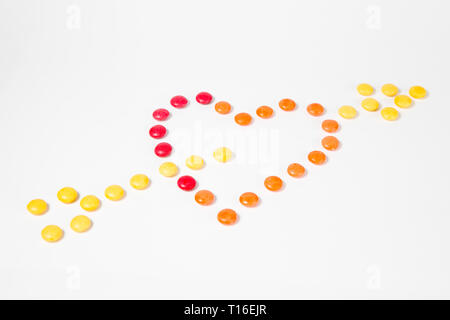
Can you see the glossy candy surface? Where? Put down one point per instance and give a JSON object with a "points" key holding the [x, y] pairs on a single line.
{"points": [[179, 102], [168, 169], [296, 170], [330, 143], [330, 126], [139, 181], [389, 113], [317, 157], [195, 162], [347, 112], [67, 195], [243, 119], [389, 90], [161, 114], [365, 89], [227, 217], [204, 98], [80, 224], [370, 104], [264, 112], [273, 183], [186, 183], [417, 92], [403, 101], [249, 199], [287, 104], [114, 192], [163, 149], [223, 154], [52, 233], [158, 131], [37, 207], [315, 109], [90, 203], [223, 107], [204, 197]]}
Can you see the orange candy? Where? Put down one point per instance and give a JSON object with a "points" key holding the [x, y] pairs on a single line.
{"points": [[330, 143], [243, 119], [204, 197], [223, 107], [273, 183], [317, 157], [264, 112], [227, 217], [296, 170], [249, 199], [287, 104], [315, 109], [330, 126]]}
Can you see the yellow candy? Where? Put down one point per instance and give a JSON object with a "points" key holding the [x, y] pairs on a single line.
{"points": [[67, 195], [223, 154], [347, 112], [80, 223], [403, 101], [365, 89], [139, 181], [195, 162], [52, 233], [389, 89], [37, 207], [370, 104], [418, 92], [389, 114], [90, 203], [168, 169], [114, 192]]}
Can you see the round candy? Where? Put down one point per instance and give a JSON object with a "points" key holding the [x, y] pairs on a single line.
{"points": [[389, 113], [223, 107], [163, 149], [204, 98], [223, 154], [370, 104], [52, 233], [273, 183], [186, 183], [158, 131], [315, 109], [37, 207], [204, 197], [365, 89], [80, 223], [90, 203], [317, 157], [347, 112], [227, 217], [330, 126], [330, 143], [179, 102], [243, 119], [264, 112], [418, 92], [296, 170], [195, 162], [249, 199], [287, 104], [161, 114], [67, 195], [403, 101], [114, 193], [139, 181], [389, 90], [168, 169]]}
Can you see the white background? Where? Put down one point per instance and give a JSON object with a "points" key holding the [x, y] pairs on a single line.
{"points": [[79, 81]]}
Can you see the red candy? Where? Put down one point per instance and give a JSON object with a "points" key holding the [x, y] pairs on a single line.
{"points": [[186, 183], [158, 131], [161, 114], [179, 102], [204, 98], [163, 149]]}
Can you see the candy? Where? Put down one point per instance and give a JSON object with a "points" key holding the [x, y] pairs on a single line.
{"points": [[223, 154], [264, 112], [403, 101], [158, 131], [52, 233], [67, 195], [204, 98], [223, 107], [227, 217], [163, 149], [389, 90], [287, 104], [417, 92], [161, 114], [90, 203], [249, 199], [296, 170], [179, 102], [365, 89], [347, 112], [186, 183], [389, 113], [243, 119], [370, 104], [330, 126], [139, 181], [168, 169], [204, 197], [273, 183], [80, 224], [114, 193], [37, 207], [195, 162], [317, 157], [315, 109], [330, 143]]}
